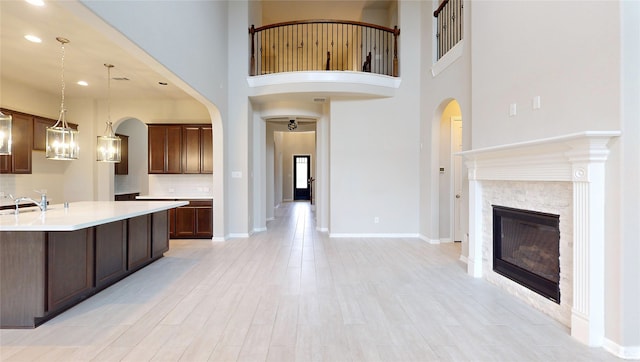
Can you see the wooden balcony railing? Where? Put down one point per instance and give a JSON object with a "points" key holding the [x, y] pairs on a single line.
{"points": [[324, 45], [449, 17]]}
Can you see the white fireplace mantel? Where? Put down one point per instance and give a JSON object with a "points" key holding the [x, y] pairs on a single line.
{"points": [[578, 158]]}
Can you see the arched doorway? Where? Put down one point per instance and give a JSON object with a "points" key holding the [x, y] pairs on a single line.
{"points": [[450, 173]]}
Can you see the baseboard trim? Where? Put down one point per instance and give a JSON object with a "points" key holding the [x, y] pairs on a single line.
{"points": [[218, 239], [464, 259], [322, 230], [446, 240], [380, 235], [429, 240], [238, 235], [259, 230], [630, 353]]}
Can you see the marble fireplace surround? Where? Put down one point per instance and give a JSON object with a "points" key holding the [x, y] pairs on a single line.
{"points": [[579, 161]]}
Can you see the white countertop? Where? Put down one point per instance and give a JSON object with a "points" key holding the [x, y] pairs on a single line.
{"points": [[80, 215], [174, 197]]}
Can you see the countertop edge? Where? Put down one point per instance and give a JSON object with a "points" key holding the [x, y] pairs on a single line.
{"points": [[160, 206]]}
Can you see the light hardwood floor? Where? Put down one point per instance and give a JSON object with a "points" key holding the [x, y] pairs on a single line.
{"points": [[292, 293]]}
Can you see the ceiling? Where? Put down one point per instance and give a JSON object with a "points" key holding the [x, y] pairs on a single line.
{"points": [[39, 66]]}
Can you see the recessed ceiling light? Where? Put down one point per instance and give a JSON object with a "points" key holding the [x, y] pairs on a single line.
{"points": [[33, 38], [83, 83], [36, 2]]}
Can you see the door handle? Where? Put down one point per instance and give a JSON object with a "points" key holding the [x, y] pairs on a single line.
{"points": [[457, 196]]}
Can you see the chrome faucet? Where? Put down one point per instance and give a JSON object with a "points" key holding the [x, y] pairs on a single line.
{"points": [[42, 204]]}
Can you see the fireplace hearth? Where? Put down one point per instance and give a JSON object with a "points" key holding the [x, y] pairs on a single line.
{"points": [[526, 248]]}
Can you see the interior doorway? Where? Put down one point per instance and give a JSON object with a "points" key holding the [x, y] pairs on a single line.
{"points": [[450, 185], [302, 174]]}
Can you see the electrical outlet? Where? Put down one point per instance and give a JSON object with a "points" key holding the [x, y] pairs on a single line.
{"points": [[376, 220]]}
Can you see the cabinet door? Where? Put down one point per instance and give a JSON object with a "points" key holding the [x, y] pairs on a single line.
{"points": [[157, 150], [139, 241], [159, 233], [206, 147], [122, 167], [185, 221], [21, 133], [69, 267], [174, 149], [191, 150], [204, 221], [172, 223], [111, 252]]}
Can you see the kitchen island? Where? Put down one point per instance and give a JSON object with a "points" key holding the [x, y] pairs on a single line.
{"points": [[52, 260]]}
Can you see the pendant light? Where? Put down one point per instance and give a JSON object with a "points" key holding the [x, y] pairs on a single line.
{"points": [[109, 145], [5, 134], [62, 140]]}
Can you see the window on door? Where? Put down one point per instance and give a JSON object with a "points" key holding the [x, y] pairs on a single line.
{"points": [[301, 171]]}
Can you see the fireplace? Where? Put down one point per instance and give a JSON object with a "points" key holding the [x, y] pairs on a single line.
{"points": [[526, 249]]}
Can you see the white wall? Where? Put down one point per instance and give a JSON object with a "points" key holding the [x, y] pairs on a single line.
{"points": [[625, 325], [137, 179], [451, 83]]}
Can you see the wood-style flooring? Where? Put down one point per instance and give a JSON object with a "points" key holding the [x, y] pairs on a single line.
{"points": [[294, 294]]}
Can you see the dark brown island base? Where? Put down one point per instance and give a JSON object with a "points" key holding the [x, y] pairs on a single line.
{"points": [[48, 263]]}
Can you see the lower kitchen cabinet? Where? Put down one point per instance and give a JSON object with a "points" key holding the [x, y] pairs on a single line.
{"points": [[193, 221], [111, 252], [139, 248], [69, 267], [159, 233]]}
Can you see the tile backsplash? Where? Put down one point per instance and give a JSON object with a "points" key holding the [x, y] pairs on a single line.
{"points": [[181, 185]]}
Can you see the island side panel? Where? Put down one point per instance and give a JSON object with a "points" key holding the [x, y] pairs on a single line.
{"points": [[159, 233], [139, 239], [22, 283], [111, 252], [70, 267]]}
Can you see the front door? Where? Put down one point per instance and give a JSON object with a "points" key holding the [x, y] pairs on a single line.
{"points": [[302, 173]]}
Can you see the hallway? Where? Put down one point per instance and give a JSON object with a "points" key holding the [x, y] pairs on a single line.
{"points": [[292, 293]]}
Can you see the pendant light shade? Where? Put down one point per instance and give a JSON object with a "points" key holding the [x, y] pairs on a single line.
{"points": [[109, 145], [5, 134], [62, 140]]}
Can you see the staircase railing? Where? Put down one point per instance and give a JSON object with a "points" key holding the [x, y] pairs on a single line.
{"points": [[324, 45], [449, 18]]}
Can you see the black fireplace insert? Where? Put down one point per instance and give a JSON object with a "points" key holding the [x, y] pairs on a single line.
{"points": [[526, 249]]}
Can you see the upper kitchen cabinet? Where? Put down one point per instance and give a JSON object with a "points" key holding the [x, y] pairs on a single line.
{"points": [[19, 161], [165, 148], [180, 149], [122, 167], [197, 156]]}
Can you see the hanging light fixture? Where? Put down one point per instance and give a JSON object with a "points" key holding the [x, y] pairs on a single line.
{"points": [[109, 145], [62, 140], [5, 134]]}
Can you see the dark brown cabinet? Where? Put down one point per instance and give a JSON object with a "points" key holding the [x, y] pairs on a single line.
{"points": [[19, 161], [165, 149], [126, 197], [42, 273], [159, 233], [139, 247], [40, 125], [111, 252], [69, 267], [194, 220], [180, 149], [197, 156], [122, 167]]}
